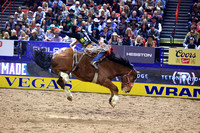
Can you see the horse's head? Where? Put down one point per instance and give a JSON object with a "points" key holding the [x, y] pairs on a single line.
{"points": [[128, 80]]}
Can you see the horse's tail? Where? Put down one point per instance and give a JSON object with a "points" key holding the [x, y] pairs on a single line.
{"points": [[42, 59]]}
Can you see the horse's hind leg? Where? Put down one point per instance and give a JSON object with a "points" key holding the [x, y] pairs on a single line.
{"points": [[64, 78]]}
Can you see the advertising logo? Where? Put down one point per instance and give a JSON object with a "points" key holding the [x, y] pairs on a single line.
{"points": [[47, 49], [184, 78], [1, 43], [13, 68], [184, 57]]}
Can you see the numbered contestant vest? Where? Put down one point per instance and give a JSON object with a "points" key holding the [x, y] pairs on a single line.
{"points": [[84, 39]]}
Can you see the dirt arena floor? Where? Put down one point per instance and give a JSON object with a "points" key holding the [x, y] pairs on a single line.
{"points": [[26, 111]]}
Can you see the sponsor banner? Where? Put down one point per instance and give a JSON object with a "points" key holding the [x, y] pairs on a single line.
{"points": [[140, 54], [50, 47], [6, 47], [169, 76], [136, 54], [13, 68], [143, 89], [188, 57], [148, 75]]}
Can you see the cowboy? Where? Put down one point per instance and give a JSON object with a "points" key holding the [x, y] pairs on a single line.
{"points": [[86, 41]]}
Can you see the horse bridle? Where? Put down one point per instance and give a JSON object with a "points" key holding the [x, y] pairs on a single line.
{"points": [[129, 82]]}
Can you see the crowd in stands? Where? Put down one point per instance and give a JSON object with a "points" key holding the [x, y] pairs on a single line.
{"points": [[119, 22], [192, 39]]}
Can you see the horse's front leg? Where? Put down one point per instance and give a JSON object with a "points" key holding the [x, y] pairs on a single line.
{"points": [[64, 78], [114, 92]]}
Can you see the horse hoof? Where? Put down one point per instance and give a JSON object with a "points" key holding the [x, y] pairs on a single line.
{"points": [[69, 98], [113, 105], [114, 101]]}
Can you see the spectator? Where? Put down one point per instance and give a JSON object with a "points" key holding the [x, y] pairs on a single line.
{"points": [[111, 28], [10, 23], [120, 30], [6, 36], [44, 25], [105, 34], [22, 36], [116, 6], [50, 13], [187, 39], [95, 10], [56, 37], [127, 41], [91, 14], [139, 41], [154, 33], [192, 43], [134, 28], [40, 32], [45, 6], [55, 8], [34, 8], [123, 22], [106, 11], [134, 15], [33, 24], [59, 3], [114, 40], [18, 29], [158, 17], [95, 33], [193, 28], [76, 8], [126, 9], [61, 35], [67, 24], [64, 11], [150, 42], [38, 19], [19, 11], [149, 5], [85, 9], [130, 34], [15, 17], [79, 20], [13, 35], [156, 24], [102, 23], [143, 31], [129, 3], [30, 17], [113, 15], [50, 33], [159, 8], [84, 26], [71, 14], [23, 43], [48, 19], [70, 2], [145, 16], [34, 36], [82, 13], [102, 13], [95, 24]]}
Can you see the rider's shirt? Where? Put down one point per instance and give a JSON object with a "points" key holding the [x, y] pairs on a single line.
{"points": [[82, 36]]}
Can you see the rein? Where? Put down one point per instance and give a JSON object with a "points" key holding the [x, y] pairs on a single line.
{"points": [[128, 83], [75, 59]]}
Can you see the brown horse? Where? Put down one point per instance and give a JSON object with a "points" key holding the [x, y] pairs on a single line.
{"points": [[65, 62]]}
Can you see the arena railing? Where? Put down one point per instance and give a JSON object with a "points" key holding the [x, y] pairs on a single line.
{"points": [[176, 21]]}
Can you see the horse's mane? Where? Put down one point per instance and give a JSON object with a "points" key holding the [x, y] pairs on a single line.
{"points": [[119, 60]]}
